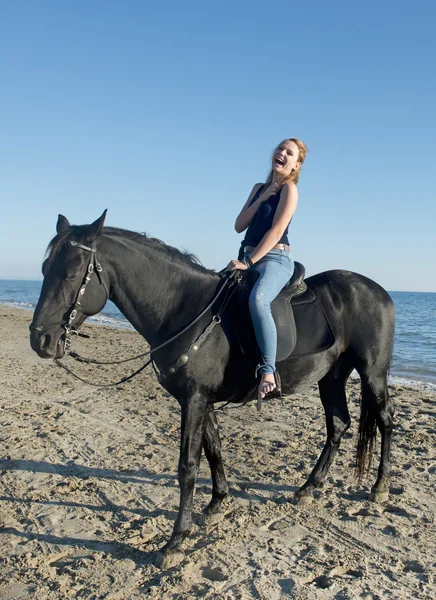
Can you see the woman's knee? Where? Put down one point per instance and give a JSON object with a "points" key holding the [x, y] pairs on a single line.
{"points": [[258, 302]]}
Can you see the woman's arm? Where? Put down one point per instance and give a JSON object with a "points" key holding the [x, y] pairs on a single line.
{"points": [[247, 213], [284, 213]]}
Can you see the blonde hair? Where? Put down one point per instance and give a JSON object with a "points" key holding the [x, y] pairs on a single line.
{"points": [[302, 152]]}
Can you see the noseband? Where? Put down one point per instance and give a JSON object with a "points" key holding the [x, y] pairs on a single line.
{"points": [[93, 265]]}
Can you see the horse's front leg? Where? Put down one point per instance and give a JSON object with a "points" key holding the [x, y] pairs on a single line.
{"points": [[212, 450], [194, 415]]}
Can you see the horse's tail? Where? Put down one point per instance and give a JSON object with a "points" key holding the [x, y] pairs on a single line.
{"points": [[375, 395], [367, 431]]}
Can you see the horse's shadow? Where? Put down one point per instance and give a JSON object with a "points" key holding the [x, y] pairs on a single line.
{"points": [[142, 477], [117, 549], [139, 476]]}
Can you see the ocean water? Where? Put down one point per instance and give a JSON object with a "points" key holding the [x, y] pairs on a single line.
{"points": [[414, 358], [25, 294], [415, 336]]}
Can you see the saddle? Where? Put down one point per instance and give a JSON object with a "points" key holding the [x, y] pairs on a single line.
{"points": [[301, 323]]}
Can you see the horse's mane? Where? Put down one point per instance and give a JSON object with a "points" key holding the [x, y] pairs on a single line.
{"points": [[175, 254], [182, 257]]}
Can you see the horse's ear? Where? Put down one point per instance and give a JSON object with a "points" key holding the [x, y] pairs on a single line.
{"points": [[63, 223], [94, 230]]}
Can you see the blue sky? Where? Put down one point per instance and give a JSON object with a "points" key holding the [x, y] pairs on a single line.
{"points": [[167, 113]]}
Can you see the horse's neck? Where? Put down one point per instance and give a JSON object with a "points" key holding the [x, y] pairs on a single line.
{"points": [[156, 294]]}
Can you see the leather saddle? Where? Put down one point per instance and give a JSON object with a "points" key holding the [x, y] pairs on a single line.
{"points": [[302, 325]]}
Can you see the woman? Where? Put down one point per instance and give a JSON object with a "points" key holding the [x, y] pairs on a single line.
{"points": [[266, 216]]}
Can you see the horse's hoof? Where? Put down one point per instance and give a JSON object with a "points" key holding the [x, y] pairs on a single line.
{"points": [[379, 497], [303, 498], [169, 559], [209, 519]]}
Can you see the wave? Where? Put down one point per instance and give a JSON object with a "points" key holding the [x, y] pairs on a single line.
{"points": [[15, 304], [413, 383], [410, 381], [102, 319]]}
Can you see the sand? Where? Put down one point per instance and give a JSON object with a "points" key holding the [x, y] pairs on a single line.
{"points": [[89, 490]]}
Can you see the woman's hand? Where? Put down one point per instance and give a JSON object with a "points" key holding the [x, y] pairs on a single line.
{"points": [[250, 208], [271, 190], [236, 264]]}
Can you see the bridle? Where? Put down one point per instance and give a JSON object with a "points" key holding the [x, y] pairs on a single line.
{"points": [[70, 332], [93, 265], [230, 283]]}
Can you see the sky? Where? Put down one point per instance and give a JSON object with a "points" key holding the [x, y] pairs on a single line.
{"points": [[167, 114]]}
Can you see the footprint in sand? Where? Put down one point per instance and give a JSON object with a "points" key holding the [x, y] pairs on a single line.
{"points": [[213, 574]]}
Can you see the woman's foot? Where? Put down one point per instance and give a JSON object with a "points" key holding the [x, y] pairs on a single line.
{"points": [[267, 385]]}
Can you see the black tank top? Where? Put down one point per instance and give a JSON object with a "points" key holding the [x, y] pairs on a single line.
{"points": [[263, 220]]}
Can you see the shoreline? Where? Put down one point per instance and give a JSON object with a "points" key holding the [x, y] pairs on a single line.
{"points": [[103, 321]]}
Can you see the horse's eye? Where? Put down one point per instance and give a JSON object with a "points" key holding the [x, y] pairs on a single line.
{"points": [[72, 277]]}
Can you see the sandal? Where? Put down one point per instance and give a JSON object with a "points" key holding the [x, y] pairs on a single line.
{"points": [[265, 388], [274, 392]]}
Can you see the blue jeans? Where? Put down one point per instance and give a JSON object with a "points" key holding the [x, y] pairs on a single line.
{"points": [[275, 269]]}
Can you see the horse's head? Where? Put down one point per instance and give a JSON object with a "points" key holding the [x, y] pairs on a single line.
{"points": [[73, 286]]}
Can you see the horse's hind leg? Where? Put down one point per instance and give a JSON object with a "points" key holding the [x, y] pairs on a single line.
{"points": [[212, 450], [334, 401], [377, 410]]}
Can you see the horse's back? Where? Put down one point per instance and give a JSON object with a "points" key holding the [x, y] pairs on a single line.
{"points": [[361, 313], [349, 286]]}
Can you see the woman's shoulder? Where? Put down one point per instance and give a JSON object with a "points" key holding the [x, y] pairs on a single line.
{"points": [[289, 190], [289, 185]]}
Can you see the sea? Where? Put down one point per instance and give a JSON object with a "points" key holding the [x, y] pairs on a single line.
{"points": [[414, 357]]}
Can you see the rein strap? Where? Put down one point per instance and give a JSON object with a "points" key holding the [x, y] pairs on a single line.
{"points": [[233, 278]]}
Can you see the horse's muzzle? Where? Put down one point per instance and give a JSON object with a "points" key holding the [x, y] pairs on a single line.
{"points": [[47, 343]]}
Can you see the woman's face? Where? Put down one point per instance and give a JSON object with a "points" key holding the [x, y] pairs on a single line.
{"points": [[285, 159]]}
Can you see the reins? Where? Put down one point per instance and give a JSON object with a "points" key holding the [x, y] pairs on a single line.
{"points": [[229, 284], [122, 380]]}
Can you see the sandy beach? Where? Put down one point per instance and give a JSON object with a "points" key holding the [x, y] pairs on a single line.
{"points": [[89, 490]]}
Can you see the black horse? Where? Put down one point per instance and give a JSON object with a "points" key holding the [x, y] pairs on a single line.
{"points": [[161, 291]]}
